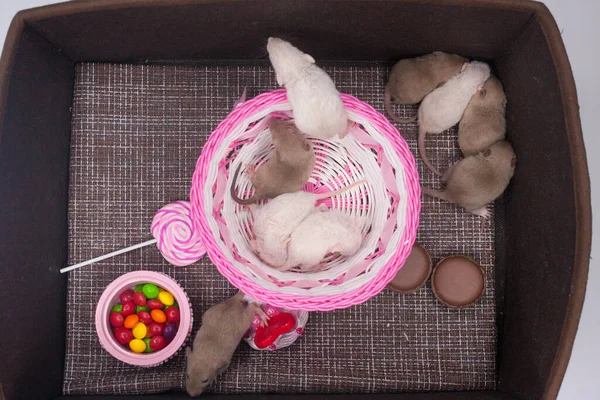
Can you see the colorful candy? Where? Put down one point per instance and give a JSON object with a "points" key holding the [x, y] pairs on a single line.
{"points": [[146, 319], [137, 346]]}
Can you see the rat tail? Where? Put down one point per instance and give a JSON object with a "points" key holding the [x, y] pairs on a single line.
{"points": [[387, 100], [434, 193], [422, 133], [244, 202], [339, 191]]}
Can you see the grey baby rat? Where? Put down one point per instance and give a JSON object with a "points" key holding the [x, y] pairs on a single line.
{"points": [[477, 180], [288, 169], [484, 121], [444, 107], [223, 327], [413, 78]]}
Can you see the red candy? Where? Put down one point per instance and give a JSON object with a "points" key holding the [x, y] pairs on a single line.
{"points": [[145, 317], [154, 304], [116, 319], [126, 296], [128, 308], [139, 299], [172, 314], [124, 335], [156, 329], [158, 343]]}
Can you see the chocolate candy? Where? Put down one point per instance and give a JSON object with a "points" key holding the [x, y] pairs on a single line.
{"points": [[128, 308], [137, 346], [126, 296], [414, 273], [150, 290], [458, 281], [145, 317], [170, 331], [172, 314], [158, 343], [123, 335], [116, 319], [139, 299]]}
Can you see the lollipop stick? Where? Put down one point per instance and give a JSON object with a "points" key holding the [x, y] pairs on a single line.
{"points": [[109, 255]]}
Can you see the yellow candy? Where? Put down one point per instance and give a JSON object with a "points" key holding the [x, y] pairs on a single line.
{"points": [[139, 332], [137, 346], [166, 298]]}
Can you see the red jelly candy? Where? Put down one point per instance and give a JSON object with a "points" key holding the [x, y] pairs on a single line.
{"points": [[128, 308], [172, 314], [154, 304], [139, 299], [116, 319], [126, 296], [278, 325], [158, 343], [123, 335], [145, 317], [156, 329]]}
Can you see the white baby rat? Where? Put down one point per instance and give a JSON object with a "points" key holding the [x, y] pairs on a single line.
{"points": [[316, 104], [319, 234], [412, 79], [275, 221], [477, 180], [484, 121], [444, 107], [223, 327]]}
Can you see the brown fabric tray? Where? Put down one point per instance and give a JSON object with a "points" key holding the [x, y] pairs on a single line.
{"points": [[137, 131]]}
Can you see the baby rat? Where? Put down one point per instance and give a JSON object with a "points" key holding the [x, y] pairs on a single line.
{"points": [[316, 104], [275, 221], [484, 121], [443, 108], [414, 78], [223, 327], [287, 170], [319, 234], [479, 179]]}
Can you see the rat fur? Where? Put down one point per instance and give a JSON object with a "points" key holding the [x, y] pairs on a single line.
{"points": [[287, 170], [444, 107], [413, 78], [275, 221], [477, 180], [484, 121], [223, 327], [319, 234], [316, 104]]}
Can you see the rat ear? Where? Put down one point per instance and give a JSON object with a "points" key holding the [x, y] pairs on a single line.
{"points": [[306, 146], [481, 90], [464, 66], [486, 152], [308, 58], [188, 351]]}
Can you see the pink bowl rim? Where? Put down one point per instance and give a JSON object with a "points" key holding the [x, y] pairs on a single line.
{"points": [[104, 331]]}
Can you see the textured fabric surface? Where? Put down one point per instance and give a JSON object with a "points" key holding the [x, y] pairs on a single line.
{"points": [[137, 132]]}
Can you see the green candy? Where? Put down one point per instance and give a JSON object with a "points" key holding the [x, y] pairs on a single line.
{"points": [[138, 288], [148, 349], [175, 305], [150, 291], [117, 307], [141, 308]]}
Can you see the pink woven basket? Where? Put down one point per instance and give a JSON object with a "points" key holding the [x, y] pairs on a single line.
{"points": [[389, 203]]}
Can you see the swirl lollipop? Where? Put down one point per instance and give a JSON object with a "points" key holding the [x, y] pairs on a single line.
{"points": [[174, 236]]}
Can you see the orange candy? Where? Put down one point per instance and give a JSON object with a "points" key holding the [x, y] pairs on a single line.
{"points": [[157, 316], [131, 321]]}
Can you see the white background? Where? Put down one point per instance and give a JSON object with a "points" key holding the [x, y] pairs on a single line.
{"points": [[578, 20]]}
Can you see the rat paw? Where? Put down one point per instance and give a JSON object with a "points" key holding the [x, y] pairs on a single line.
{"points": [[264, 318], [482, 212]]}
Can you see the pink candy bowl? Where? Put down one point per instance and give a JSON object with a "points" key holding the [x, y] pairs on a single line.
{"points": [[111, 296]]}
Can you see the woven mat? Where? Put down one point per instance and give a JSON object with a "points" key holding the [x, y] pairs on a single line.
{"points": [[137, 132]]}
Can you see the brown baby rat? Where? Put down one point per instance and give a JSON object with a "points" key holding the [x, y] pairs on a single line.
{"points": [[414, 78], [287, 170], [484, 121], [223, 327], [477, 180]]}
